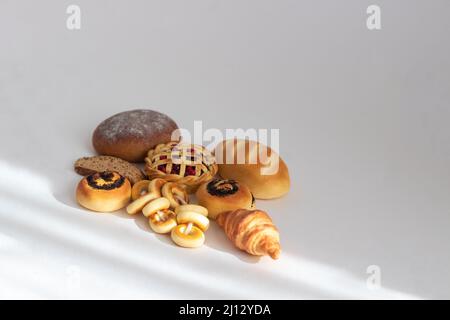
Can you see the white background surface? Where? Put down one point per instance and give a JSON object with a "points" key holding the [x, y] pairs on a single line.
{"points": [[364, 129]]}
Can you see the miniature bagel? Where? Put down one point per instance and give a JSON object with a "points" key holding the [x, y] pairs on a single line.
{"points": [[195, 238], [155, 205], [155, 186], [162, 221], [176, 194], [138, 204], [196, 218], [192, 207], [139, 189]]}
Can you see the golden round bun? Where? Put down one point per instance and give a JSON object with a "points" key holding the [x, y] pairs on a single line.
{"points": [[104, 192], [224, 195], [255, 165]]}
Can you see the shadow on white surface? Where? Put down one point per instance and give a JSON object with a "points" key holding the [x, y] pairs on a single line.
{"points": [[41, 238], [216, 239]]}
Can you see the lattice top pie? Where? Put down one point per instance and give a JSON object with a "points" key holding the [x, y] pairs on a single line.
{"points": [[188, 164]]}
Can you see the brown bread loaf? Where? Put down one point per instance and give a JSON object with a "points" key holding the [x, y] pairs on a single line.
{"points": [[90, 165]]}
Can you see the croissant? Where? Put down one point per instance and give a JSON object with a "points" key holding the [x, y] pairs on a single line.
{"points": [[251, 231]]}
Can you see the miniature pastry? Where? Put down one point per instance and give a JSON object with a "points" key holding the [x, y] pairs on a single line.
{"points": [[137, 205], [155, 205], [188, 236], [192, 224], [224, 195], [139, 189], [191, 208], [251, 231], [175, 193], [257, 166], [129, 135], [186, 164], [90, 165], [162, 221], [155, 186], [149, 191], [197, 219], [104, 192]]}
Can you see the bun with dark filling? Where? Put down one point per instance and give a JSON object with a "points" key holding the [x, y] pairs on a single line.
{"points": [[104, 192], [224, 195]]}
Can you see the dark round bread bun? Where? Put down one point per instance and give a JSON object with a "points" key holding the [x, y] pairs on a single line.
{"points": [[129, 135]]}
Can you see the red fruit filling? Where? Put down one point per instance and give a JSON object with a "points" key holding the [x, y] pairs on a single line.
{"points": [[190, 171], [175, 169]]}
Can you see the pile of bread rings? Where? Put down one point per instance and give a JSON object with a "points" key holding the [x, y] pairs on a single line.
{"points": [[166, 205], [174, 170]]}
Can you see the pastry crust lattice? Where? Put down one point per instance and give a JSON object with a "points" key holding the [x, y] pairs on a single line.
{"points": [[188, 164]]}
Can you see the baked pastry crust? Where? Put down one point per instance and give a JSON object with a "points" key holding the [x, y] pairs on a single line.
{"points": [[187, 164], [250, 171], [252, 231], [220, 195], [104, 192]]}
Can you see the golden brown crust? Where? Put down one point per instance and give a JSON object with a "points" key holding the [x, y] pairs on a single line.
{"points": [[249, 172], [251, 231], [175, 193], [139, 189], [217, 203], [186, 164], [103, 200]]}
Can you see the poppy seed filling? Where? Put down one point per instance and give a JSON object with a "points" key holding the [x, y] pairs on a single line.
{"points": [[109, 179], [222, 188]]}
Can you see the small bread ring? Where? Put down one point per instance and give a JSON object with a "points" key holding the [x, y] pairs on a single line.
{"points": [[162, 221], [192, 207], [139, 189], [155, 186], [138, 204], [196, 218], [155, 205], [184, 237], [176, 194]]}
